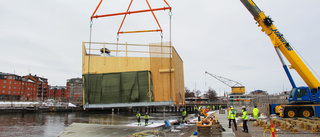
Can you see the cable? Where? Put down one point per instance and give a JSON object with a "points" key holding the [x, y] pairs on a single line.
{"points": [[89, 88]]}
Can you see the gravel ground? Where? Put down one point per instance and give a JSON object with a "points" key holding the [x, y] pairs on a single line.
{"points": [[259, 132]]}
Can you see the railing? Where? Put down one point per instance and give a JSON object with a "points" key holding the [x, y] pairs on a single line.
{"points": [[104, 49]]}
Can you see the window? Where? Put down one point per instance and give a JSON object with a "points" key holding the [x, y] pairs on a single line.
{"points": [[22, 83], [10, 77], [9, 82], [301, 93], [4, 86], [14, 91], [15, 82], [4, 81], [3, 91], [14, 87], [9, 87]]}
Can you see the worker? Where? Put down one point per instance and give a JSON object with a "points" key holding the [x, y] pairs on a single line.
{"points": [[146, 119], [219, 106], [255, 113], [232, 117], [213, 107], [196, 112], [184, 114], [138, 118], [245, 120], [208, 107]]}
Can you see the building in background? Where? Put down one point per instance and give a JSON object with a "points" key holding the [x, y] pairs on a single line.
{"points": [[58, 93], [74, 87], [42, 85], [22, 88]]}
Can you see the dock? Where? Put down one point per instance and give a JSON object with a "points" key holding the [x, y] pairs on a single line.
{"points": [[131, 130]]}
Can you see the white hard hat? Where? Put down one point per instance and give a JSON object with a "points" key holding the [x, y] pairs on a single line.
{"points": [[243, 107]]}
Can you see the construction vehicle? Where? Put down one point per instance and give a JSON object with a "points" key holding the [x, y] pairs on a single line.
{"points": [[303, 101], [236, 87]]}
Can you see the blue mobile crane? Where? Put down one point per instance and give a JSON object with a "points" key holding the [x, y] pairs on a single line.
{"points": [[303, 101]]}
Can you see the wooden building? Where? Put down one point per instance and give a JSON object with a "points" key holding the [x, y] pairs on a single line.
{"points": [[158, 67]]}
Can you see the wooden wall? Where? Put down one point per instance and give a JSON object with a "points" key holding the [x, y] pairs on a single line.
{"points": [[159, 65]]}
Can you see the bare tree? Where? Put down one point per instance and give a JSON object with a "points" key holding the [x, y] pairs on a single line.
{"points": [[211, 94], [188, 93], [198, 92]]}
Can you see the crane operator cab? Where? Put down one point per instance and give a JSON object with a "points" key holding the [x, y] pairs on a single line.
{"points": [[303, 94]]}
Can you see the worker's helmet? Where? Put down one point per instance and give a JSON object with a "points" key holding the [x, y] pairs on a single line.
{"points": [[137, 111], [243, 107], [231, 108], [184, 108]]}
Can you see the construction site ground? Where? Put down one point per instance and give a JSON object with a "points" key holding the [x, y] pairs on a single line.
{"points": [[95, 130], [256, 131]]}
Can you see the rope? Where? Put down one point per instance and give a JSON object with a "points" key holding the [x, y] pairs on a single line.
{"points": [[117, 44], [170, 15], [88, 95]]}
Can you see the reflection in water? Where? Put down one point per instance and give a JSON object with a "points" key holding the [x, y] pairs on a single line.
{"points": [[49, 124]]}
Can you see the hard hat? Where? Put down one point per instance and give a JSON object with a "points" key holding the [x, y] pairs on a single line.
{"points": [[184, 108], [137, 111], [231, 108], [243, 107]]}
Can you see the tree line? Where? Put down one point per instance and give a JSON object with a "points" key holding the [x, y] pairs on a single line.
{"points": [[211, 94]]}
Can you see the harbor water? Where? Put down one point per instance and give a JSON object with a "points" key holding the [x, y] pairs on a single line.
{"points": [[50, 124]]}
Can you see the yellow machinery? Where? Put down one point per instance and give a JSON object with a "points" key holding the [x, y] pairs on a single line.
{"points": [[236, 87]]}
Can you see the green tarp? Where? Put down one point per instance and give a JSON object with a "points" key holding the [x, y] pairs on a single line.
{"points": [[122, 87]]}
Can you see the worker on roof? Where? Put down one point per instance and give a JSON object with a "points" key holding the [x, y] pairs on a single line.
{"points": [[184, 114], [213, 107], [245, 120], [208, 107], [138, 118], [146, 119], [220, 107], [255, 113], [232, 117]]}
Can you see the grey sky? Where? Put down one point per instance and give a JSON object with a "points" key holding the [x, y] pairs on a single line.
{"points": [[218, 36]]}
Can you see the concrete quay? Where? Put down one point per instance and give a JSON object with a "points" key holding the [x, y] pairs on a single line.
{"points": [[130, 130]]}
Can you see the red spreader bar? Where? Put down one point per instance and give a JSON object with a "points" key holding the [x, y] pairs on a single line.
{"points": [[132, 12]]}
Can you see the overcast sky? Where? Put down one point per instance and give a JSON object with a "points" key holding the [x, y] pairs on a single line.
{"points": [[219, 36]]}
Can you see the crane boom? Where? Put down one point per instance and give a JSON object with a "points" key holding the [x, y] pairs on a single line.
{"points": [[304, 101], [281, 43], [228, 82]]}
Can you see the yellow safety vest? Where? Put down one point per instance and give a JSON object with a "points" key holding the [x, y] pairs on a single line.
{"points": [[255, 111], [146, 116], [184, 113], [232, 114], [138, 115], [245, 115]]}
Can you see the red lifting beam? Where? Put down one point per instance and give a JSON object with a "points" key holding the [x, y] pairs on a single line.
{"points": [[131, 12]]}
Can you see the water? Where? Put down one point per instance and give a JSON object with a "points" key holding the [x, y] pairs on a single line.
{"points": [[50, 124]]}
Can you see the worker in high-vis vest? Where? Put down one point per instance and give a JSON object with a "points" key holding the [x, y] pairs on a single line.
{"points": [[232, 117], [255, 113], [208, 107], [138, 118], [245, 120], [220, 107], [184, 114], [213, 108], [146, 119]]}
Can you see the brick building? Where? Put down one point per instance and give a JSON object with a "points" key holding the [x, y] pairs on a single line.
{"points": [[74, 87], [59, 93], [25, 88]]}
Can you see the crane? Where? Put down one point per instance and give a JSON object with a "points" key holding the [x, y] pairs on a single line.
{"points": [[304, 101], [236, 87]]}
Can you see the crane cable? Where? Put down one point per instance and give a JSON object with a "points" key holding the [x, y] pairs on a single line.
{"points": [[305, 61], [88, 88]]}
